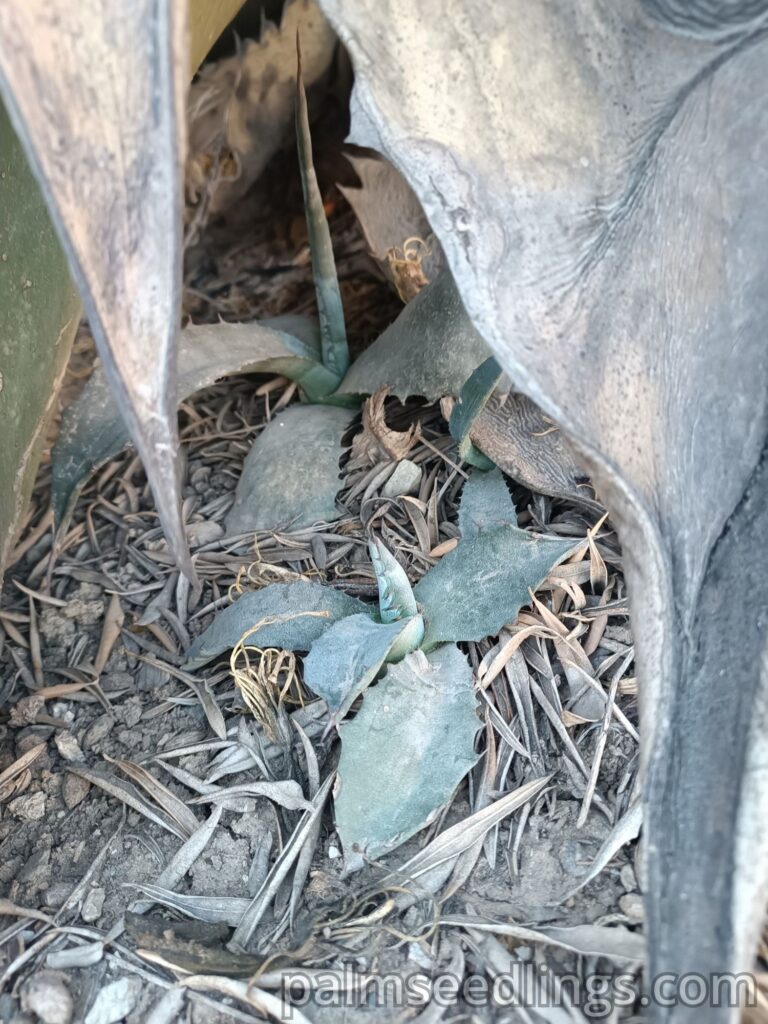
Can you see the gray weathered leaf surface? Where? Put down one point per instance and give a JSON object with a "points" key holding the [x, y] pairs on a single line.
{"points": [[290, 476], [93, 431], [429, 350], [97, 101], [483, 583], [405, 752], [389, 212], [486, 504], [349, 655], [276, 600], [596, 174]]}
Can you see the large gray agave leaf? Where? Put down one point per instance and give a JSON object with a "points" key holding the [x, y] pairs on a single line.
{"points": [[93, 430], [289, 603], [483, 583], [290, 476], [596, 174], [405, 752]]}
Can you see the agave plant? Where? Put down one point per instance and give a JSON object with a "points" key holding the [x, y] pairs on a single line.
{"points": [[417, 725]]}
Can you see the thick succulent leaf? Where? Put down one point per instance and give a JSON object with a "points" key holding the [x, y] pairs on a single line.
{"points": [[333, 330], [278, 600], [390, 214], [396, 600], [430, 349], [290, 476], [614, 257], [486, 504], [244, 105], [476, 391], [108, 159], [349, 656], [207, 20], [93, 431], [405, 752], [39, 314], [483, 583]]}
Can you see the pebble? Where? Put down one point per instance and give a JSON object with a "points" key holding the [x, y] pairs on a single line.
{"points": [[93, 904], [114, 1002], [29, 807], [628, 878], [405, 480], [37, 870], [68, 746], [74, 790], [631, 904], [46, 995], [97, 731]]}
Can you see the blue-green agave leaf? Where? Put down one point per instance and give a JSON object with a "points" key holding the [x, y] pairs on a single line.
{"points": [[476, 391], [333, 332], [429, 350], [93, 432], [483, 583], [405, 752], [348, 657], [290, 477], [278, 600], [396, 600]]}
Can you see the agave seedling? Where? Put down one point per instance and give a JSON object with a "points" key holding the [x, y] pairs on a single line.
{"points": [[416, 727]]}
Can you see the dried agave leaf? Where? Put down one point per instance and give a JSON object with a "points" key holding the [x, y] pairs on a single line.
{"points": [[209, 909], [93, 431], [290, 476], [615, 942], [390, 216], [376, 440], [288, 603], [128, 794], [396, 600], [481, 584], [514, 433], [405, 752], [430, 349], [349, 656], [241, 108]]}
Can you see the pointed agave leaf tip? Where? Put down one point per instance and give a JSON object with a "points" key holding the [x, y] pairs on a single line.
{"points": [[333, 332], [396, 600]]}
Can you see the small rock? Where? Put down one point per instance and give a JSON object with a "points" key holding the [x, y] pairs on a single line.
{"points": [[46, 994], [631, 904], [405, 480], [204, 532], [68, 746], [55, 894], [57, 629], [29, 807], [93, 904], [86, 605], [37, 870], [97, 731], [114, 1002], [74, 790], [628, 879]]}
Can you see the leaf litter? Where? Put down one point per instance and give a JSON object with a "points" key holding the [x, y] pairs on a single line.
{"points": [[522, 804]]}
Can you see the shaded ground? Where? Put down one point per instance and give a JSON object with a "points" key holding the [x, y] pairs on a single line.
{"points": [[91, 648]]}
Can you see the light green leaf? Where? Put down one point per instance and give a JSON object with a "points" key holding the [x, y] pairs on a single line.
{"points": [[291, 474], [396, 600], [287, 601], [333, 331], [482, 584], [349, 656], [405, 752], [429, 350], [93, 431]]}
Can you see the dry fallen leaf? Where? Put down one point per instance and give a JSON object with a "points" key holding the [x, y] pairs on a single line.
{"points": [[376, 440]]}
